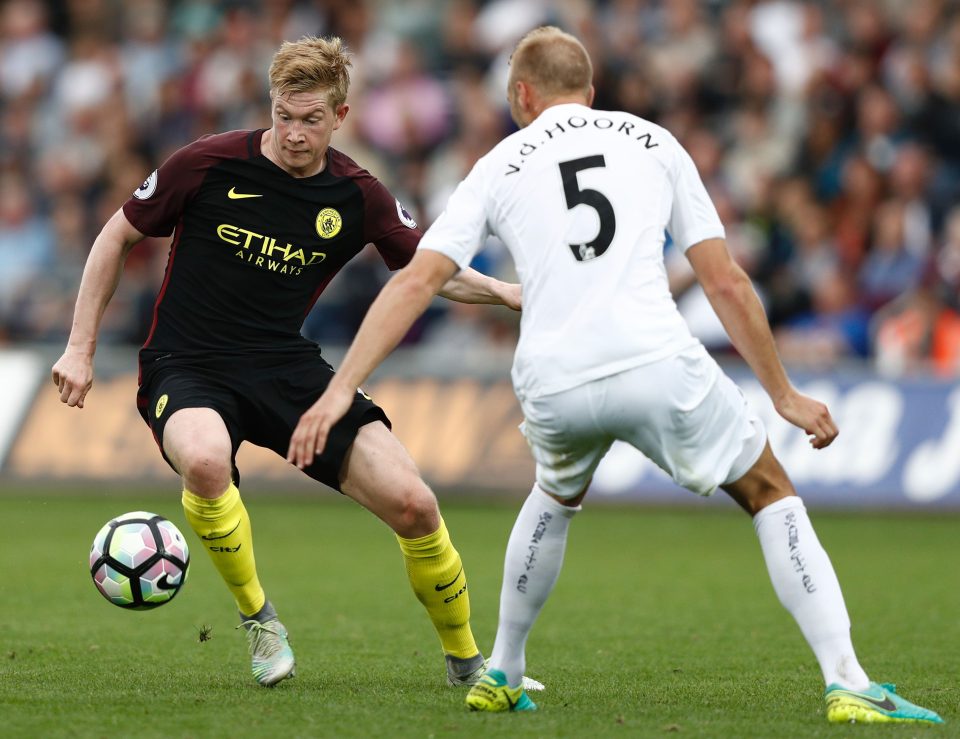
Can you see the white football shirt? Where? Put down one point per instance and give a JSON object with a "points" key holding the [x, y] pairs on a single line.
{"points": [[582, 199]]}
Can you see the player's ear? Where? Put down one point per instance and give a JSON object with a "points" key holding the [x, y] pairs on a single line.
{"points": [[590, 95], [524, 95], [342, 111]]}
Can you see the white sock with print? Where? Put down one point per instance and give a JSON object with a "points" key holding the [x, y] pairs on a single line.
{"points": [[530, 570], [807, 585]]}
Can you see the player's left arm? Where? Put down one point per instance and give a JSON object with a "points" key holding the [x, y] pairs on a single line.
{"points": [[470, 286], [696, 227], [401, 302], [731, 293]]}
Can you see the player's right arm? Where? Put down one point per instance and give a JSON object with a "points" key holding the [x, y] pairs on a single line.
{"points": [[740, 311], [73, 372]]}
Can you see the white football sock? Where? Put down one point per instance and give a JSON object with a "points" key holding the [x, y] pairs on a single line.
{"points": [[530, 570], [806, 584]]}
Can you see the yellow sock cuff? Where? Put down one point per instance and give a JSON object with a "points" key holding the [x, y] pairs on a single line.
{"points": [[209, 509], [430, 545]]}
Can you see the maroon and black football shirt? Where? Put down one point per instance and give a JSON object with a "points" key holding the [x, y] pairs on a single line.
{"points": [[253, 247]]}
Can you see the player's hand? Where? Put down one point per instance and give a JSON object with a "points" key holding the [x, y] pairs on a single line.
{"points": [[512, 296], [73, 376], [310, 436], [810, 415]]}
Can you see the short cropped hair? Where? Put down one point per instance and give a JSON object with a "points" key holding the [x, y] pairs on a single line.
{"points": [[553, 61], [310, 64]]}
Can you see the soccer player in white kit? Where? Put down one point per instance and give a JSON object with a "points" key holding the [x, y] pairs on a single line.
{"points": [[583, 198]]}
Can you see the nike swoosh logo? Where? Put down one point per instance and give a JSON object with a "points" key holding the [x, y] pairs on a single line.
{"points": [[222, 536], [886, 704], [510, 703], [444, 587], [164, 584], [234, 195]]}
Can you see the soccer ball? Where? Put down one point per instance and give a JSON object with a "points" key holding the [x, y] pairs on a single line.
{"points": [[139, 560]]}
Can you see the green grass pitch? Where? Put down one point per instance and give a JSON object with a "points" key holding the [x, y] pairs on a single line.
{"points": [[663, 624]]}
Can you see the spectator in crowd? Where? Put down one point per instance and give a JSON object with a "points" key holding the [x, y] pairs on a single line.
{"points": [[30, 54], [919, 330], [861, 191], [890, 268], [26, 240], [407, 113], [833, 330], [947, 259]]}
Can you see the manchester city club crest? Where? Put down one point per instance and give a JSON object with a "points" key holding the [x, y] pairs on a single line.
{"points": [[329, 223]]}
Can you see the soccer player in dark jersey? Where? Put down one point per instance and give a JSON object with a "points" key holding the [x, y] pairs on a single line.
{"points": [[261, 222]]}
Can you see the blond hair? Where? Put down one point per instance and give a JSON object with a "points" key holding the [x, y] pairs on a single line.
{"points": [[553, 61], [309, 64]]}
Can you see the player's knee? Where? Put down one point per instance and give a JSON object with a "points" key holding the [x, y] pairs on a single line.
{"points": [[206, 472], [765, 483], [759, 491], [416, 512]]}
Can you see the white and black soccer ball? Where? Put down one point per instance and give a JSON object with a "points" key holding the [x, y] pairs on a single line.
{"points": [[139, 560]]}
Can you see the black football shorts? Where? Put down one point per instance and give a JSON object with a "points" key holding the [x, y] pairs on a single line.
{"points": [[260, 399]]}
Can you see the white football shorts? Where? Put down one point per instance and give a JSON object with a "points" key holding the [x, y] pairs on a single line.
{"points": [[682, 412]]}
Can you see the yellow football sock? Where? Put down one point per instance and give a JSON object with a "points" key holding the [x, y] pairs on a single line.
{"points": [[224, 528], [436, 574]]}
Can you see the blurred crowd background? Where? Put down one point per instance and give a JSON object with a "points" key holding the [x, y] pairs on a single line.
{"points": [[827, 132]]}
